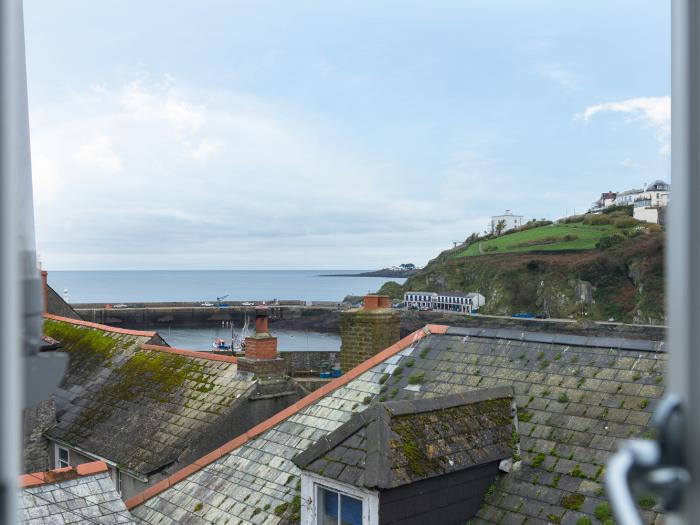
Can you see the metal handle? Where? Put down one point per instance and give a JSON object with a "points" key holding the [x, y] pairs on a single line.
{"points": [[655, 467]]}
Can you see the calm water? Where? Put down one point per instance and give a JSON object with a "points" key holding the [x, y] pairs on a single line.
{"points": [[206, 285], [287, 340]]}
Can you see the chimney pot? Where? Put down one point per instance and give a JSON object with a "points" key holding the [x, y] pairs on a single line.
{"points": [[372, 302]]}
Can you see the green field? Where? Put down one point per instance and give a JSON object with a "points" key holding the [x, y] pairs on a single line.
{"points": [[545, 238]]}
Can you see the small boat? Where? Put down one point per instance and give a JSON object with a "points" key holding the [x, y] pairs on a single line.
{"points": [[220, 344]]}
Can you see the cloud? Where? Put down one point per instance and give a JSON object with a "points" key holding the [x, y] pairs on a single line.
{"points": [[653, 112], [630, 164], [561, 75], [150, 174], [98, 153]]}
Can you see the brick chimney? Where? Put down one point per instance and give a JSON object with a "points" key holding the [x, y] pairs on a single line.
{"points": [[45, 289], [261, 356], [366, 331]]}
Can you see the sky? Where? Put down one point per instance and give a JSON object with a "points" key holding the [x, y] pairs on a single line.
{"points": [[172, 134]]}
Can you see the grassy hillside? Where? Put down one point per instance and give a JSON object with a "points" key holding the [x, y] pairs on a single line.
{"points": [[622, 279], [554, 237]]}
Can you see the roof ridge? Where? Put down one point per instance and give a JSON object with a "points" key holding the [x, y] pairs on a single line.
{"points": [[190, 353], [282, 415], [57, 475], [591, 341], [99, 326]]}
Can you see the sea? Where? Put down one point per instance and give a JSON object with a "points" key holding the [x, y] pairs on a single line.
{"points": [[287, 340], [143, 286]]}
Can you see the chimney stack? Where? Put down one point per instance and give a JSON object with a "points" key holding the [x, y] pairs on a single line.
{"points": [[261, 356], [366, 331], [45, 289]]}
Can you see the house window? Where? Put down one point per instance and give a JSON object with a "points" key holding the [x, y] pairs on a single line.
{"points": [[62, 457], [336, 508]]}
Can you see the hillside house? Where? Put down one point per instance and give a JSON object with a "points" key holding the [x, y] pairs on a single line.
{"points": [[419, 300], [606, 200], [508, 220], [463, 302]]}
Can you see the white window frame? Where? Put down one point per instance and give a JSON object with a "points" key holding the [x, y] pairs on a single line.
{"points": [[57, 459], [309, 484], [116, 475]]}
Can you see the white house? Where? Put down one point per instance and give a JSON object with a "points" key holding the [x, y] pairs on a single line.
{"points": [[445, 301], [650, 206], [509, 219], [627, 197], [419, 300]]}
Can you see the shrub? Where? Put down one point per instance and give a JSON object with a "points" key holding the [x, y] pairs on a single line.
{"points": [[584, 520], [607, 241], [626, 222], [596, 220]]}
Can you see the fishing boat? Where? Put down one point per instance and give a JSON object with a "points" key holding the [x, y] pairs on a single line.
{"points": [[220, 345]]}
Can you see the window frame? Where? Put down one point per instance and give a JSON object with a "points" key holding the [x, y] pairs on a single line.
{"points": [[309, 490], [57, 458]]}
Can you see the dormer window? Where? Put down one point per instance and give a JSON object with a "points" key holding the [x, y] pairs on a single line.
{"points": [[327, 501]]}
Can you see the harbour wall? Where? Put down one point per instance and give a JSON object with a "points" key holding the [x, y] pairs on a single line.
{"points": [[326, 318]]}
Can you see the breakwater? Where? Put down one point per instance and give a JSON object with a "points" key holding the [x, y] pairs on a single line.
{"points": [[325, 317]]}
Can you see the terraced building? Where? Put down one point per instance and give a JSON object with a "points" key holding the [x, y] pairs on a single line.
{"points": [[146, 409]]}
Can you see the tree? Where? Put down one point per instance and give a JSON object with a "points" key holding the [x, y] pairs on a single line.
{"points": [[500, 226], [407, 266]]}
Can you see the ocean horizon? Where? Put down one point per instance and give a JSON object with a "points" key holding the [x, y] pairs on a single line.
{"points": [[128, 286]]}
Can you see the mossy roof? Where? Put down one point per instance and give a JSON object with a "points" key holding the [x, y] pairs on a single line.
{"points": [[401, 442], [136, 407], [86, 499], [577, 399]]}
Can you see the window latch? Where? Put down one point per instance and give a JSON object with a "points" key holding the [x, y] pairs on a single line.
{"points": [[650, 467]]}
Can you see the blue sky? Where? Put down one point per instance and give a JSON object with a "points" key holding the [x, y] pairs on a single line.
{"points": [[225, 134]]}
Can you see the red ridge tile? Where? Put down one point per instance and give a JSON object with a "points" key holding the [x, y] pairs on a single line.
{"points": [[191, 353], [98, 326]]}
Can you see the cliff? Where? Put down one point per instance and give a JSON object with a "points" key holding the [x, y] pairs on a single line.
{"points": [[623, 281]]}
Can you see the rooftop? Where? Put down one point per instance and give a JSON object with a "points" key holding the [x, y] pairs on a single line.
{"points": [[577, 398], [84, 494], [136, 404], [397, 443]]}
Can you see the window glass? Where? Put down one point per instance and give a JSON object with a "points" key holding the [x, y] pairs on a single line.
{"points": [[62, 460], [350, 511], [338, 509], [328, 503]]}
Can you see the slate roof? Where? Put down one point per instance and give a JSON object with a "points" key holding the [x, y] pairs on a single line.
{"points": [[56, 305], [62, 496], [577, 398], [397, 443], [138, 405]]}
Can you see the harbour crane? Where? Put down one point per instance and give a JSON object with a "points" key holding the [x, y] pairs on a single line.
{"points": [[219, 299]]}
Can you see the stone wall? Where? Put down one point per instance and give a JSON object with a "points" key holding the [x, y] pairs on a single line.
{"points": [[307, 362], [36, 421], [365, 333]]}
